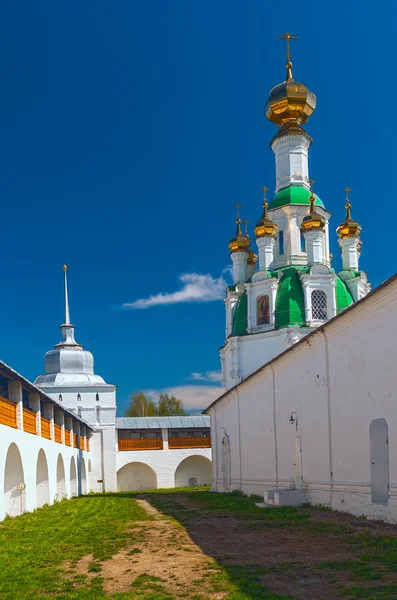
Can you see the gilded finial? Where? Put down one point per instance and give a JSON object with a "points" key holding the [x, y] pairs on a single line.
{"points": [[348, 228], [287, 36], [65, 268], [240, 242], [348, 205], [265, 226]]}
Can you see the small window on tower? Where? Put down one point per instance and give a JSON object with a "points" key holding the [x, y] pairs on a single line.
{"points": [[263, 310], [319, 305], [303, 243], [281, 242]]}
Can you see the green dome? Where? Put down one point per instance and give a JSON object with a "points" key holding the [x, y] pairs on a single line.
{"points": [[294, 194], [290, 304]]}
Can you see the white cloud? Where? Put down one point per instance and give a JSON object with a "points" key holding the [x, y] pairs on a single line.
{"points": [[195, 288], [215, 376], [195, 397]]}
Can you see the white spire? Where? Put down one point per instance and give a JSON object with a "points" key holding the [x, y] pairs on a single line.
{"points": [[67, 313]]}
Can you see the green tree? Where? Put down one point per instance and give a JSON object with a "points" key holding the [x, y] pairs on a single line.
{"points": [[140, 406], [170, 406]]}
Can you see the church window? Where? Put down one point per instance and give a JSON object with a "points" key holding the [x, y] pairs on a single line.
{"points": [[97, 397], [281, 242], [78, 398], [263, 310], [303, 243], [319, 305]]}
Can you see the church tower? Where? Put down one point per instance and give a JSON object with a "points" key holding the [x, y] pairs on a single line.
{"points": [[294, 289], [70, 380]]}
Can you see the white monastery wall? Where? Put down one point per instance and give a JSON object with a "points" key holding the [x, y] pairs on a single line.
{"points": [[45, 468], [169, 468], [321, 397]]}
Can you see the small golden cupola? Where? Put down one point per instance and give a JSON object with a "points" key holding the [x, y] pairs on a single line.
{"points": [[290, 103], [313, 221], [349, 227], [265, 226], [240, 242]]}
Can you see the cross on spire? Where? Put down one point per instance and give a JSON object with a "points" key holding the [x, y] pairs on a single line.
{"points": [[264, 190], [347, 190], [287, 36]]}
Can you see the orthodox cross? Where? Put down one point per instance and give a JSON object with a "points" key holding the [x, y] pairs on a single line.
{"points": [[347, 190], [287, 36], [311, 182], [246, 223], [237, 207], [264, 190]]}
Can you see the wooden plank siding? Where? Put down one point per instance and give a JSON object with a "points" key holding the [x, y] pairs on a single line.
{"points": [[29, 421], [45, 428], [58, 433], [177, 443], [8, 413], [151, 444]]}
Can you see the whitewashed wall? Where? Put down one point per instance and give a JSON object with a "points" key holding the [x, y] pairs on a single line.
{"points": [[39, 489], [334, 383]]}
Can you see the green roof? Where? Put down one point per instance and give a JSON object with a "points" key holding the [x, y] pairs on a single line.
{"points": [[342, 295], [294, 194], [290, 304], [240, 322]]}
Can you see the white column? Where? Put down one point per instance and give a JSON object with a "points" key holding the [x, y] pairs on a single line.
{"points": [[34, 405], [239, 266], [15, 395], [266, 252], [314, 246], [292, 163], [349, 253], [164, 435]]}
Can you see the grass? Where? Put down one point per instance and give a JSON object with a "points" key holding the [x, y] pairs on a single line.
{"points": [[39, 551]]}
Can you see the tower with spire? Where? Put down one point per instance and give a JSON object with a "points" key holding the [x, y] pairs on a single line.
{"points": [[70, 380], [294, 288]]}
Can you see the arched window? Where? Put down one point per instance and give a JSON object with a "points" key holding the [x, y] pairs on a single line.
{"points": [[303, 243], [263, 312], [319, 305], [281, 242]]}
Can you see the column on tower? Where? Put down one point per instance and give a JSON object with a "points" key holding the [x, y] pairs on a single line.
{"points": [[265, 234], [239, 247], [312, 229], [349, 239]]}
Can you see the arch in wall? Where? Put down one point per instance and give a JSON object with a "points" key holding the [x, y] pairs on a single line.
{"points": [[193, 470], [136, 476], [83, 477], [61, 483], [14, 497], [73, 478], [42, 483]]}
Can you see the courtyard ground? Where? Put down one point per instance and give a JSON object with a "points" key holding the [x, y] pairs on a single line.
{"points": [[169, 545]]}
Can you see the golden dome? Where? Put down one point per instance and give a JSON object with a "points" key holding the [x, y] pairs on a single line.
{"points": [[240, 242], [348, 228], [312, 221], [290, 101], [265, 226]]}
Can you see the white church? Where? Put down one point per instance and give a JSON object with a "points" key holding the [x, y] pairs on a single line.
{"points": [[60, 436], [309, 411]]}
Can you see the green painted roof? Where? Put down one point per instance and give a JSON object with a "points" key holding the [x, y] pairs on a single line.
{"points": [[294, 194], [290, 304], [240, 322], [342, 295]]}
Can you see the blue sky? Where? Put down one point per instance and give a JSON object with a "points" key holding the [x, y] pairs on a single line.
{"points": [[128, 131]]}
